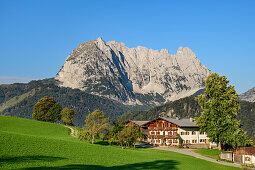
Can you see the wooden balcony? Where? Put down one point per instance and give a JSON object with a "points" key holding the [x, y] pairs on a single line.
{"points": [[162, 128], [165, 136]]}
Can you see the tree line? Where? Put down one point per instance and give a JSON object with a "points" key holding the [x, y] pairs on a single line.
{"points": [[48, 110]]}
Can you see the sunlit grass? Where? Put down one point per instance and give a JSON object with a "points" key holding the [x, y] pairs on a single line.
{"points": [[34, 144]]}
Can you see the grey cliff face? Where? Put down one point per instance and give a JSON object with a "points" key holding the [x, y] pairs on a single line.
{"points": [[248, 96], [121, 73]]}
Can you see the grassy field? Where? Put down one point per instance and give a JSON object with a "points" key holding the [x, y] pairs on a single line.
{"points": [[212, 153], [33, 144]]}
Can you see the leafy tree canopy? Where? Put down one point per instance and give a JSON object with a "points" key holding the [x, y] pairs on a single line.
{"points": [[128, 135], [54, 113], [67, 115], [220, 107], [46, 109], [96, 123]]}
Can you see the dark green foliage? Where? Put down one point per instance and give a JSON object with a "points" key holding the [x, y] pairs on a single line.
{"points": [[54, 113], [128, 136], [185, 108], [180, 141], [117, 126], [47, 110], [82, 102], [67, 115]]}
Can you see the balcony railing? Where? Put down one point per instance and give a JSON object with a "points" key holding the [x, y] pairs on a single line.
{"points": [[165, 136], [163, 128]]}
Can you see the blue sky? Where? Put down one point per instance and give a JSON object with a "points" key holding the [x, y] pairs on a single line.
{"points": [[36, 36]]}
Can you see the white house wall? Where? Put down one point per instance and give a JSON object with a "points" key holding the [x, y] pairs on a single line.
{"points": [[191, 137]]}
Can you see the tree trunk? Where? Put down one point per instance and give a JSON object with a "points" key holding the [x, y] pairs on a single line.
{"points": [[219, 146], [93, 138]]}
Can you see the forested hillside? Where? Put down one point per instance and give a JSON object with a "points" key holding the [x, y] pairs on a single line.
{"points": [[18, 100], [187, 107]]}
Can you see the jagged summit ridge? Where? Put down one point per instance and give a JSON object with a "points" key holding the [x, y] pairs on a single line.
{"points": [[121, 73], [248, 96]]}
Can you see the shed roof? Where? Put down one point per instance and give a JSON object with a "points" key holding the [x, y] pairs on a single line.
{"points": [[139, 123], [247, 150]]}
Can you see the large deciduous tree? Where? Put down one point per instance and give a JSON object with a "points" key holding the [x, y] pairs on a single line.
{"points": [[67, 116], [220, 107], [96, 123], [46, 109], [128, 135], [54, 113]]}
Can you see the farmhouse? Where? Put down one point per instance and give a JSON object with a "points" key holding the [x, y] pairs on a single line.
{"points": [[164, 130]]}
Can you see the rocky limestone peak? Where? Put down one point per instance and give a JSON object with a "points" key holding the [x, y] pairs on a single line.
{"points": [[248, 96], [125, 74]]}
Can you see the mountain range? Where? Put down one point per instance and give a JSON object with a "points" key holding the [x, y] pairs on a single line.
{"points": [[132, 75], [248, 96], [120, 80]]}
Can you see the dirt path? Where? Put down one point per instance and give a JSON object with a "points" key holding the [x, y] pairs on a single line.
{"points": [[191, 153], [73, 132]]}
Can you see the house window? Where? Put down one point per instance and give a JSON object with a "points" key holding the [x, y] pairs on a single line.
{"points": [[187, 141], [193, 133], [247, 159], [170, 133], [194, 141], [182, 133], [169, 124], [202, 133], [186, 133], [152, 133], [202, 140]]}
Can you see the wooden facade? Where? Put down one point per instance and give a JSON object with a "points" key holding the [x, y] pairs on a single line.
{"points": [[162, 132]]}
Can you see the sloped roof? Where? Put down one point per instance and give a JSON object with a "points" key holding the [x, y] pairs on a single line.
{"points": [[181, 122], [139, 123], [247, 150]]}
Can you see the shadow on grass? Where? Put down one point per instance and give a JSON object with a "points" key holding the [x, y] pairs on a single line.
{"points": [[101, 143], [160, 164], [20, 159]]}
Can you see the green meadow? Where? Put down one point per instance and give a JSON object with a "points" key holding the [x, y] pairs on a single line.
{"points": [[29, 144]]}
